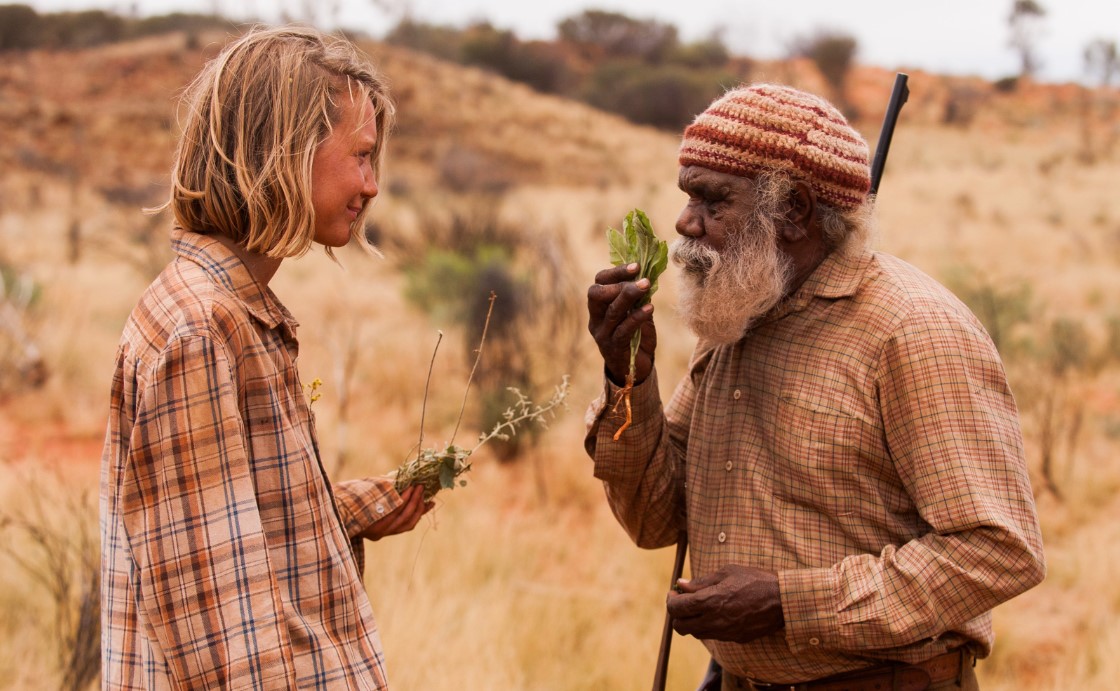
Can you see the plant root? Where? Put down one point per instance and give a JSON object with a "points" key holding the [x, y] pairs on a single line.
{"points": [[623, 397]]}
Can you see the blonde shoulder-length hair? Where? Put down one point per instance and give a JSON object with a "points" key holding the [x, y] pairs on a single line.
{"points": [[254, 117]]}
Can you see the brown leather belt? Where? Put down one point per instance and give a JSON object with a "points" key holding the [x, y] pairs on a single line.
{"points": [[888, 677]]}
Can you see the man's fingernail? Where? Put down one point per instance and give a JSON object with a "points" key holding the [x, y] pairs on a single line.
{"points": [[632, 267]]}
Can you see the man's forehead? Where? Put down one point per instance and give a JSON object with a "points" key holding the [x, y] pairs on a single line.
{"points": [[699, 176]]}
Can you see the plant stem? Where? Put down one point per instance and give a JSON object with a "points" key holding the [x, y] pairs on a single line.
{"points": [[478, 357], [427, 385]]}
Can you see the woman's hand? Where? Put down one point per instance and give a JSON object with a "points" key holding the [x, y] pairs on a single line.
{"points": [[402, 519]]}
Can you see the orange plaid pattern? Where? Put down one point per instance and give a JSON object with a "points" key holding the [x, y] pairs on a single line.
{"points": [[862, 442], [227, 557]]}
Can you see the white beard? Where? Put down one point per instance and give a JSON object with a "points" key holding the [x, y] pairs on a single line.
{"points": [[723, 293]]}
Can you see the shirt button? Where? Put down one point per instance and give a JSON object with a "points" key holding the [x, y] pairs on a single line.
{"points": [[737, 395], [379, 508], [729, 465], [814, 641], [722, 537]]}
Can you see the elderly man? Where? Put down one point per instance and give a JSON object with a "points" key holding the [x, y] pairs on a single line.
{"points": [[844, 451]]}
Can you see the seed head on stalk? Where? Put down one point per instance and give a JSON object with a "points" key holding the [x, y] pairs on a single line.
{"points": [[636, 244]]}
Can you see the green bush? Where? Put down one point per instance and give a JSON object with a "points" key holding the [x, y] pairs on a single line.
{"points": [[615, 35], [668, 96], [452, 269], [709, 53], [540, 65]]}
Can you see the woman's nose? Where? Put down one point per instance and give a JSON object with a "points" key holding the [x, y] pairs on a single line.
{"points": [[369, 183]]}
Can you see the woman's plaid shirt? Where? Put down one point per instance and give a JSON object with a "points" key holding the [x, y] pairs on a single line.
{"points": [[227, 556], [862, 442]]}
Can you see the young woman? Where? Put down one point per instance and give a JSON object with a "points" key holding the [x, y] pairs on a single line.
{"points": [[229, 558]]}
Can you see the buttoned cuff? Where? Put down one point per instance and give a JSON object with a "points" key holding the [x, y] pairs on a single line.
{"points": [[809, 598], [364, 501]]}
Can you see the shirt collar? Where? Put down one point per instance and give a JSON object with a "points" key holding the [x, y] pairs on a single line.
{"points": [[838, 276], [227, 270]]}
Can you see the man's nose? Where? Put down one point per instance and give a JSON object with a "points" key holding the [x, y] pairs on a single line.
{"points": [[688, 223]]}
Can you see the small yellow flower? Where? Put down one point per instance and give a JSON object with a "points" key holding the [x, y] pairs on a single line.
{"points": [[313, 389]]}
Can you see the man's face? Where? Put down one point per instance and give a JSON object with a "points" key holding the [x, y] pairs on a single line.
{"points": [[717, 205], [734, 269]]}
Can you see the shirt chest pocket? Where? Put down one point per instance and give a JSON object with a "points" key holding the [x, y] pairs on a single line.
{"points": [[821, 445]]}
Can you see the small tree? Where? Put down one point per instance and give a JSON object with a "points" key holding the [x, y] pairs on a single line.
{"points": [[1102, 60], [1025, 22], [833, 53]]}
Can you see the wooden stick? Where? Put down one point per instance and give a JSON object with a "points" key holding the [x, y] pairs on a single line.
{"points": [[660, 675]]}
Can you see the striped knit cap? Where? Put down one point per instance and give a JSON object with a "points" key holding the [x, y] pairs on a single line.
{"points": [[767, 127]]}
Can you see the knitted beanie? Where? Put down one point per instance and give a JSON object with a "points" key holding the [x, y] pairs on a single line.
{"points": [[767, 127]]}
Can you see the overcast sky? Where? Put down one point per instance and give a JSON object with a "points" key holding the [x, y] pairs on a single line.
{"points": [[948, 36]]}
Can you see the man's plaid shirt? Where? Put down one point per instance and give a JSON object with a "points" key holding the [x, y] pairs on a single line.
{"points": [[862, 442]]}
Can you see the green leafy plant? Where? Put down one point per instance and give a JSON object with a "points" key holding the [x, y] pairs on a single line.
{"points": [[637, 243]]}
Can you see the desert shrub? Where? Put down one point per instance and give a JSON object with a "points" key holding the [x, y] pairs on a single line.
{"points": [[22, 365], [83, 29], [961, 106], [463, 169], [177, 21], [1006, 85], [531, 341], [20, 27], [831, 51], [539, 64], [710, 52], [50, 534], [1002, 309], [666, 96], [615, 35], [443, 42], [1052, 362]]}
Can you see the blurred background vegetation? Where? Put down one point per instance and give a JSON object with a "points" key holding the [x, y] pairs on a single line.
{"points": [[509, 161]]}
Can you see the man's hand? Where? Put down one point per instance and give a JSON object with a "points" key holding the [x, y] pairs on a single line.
{"points": [[613, 321], [736, 604], [402, 519]]}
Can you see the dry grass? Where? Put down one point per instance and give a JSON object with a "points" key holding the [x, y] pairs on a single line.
{"points": [[522, 579]]}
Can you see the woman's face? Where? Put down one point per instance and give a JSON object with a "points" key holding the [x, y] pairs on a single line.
{"points": [[342, 176]]}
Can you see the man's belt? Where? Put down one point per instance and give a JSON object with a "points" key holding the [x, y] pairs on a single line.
{"points": [[896, 676]]}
